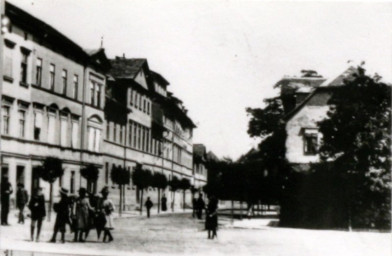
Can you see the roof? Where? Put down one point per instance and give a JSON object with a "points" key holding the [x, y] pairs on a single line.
{"points": [[310, 81], [199, 150], [159, 78], [43, 31], [329, 84], [123, 68], [338, 80]]}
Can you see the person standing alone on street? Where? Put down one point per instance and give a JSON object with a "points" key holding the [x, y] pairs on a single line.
{"points": [[148, 205], [6, 191], [63, 217], [200, 206], [194, 206], [164, 203], [21, 200], [212, 217], [38, 212]]}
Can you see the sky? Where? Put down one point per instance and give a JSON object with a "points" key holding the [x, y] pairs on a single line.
{"points": [[223, 56]]}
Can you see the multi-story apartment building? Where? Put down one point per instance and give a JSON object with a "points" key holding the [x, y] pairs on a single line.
{"points": [[146, 125], [52, 102], [63, 101]]}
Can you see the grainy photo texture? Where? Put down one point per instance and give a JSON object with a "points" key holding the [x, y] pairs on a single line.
{"points": [[184, 127]]}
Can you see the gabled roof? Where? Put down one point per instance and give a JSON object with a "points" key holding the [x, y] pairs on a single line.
{"points": [[341, 77], [330, 84], [123, 68], [43, 31], [159, 78]]}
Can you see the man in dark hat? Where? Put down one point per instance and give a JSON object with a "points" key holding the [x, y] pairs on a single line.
{"points": [[63, 217], [21, 200], [6, 191]]}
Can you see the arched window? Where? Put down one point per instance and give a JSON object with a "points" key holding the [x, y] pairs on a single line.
{"points": [[94, 128]]}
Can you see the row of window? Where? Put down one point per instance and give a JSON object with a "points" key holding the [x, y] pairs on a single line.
{"points": [[24, 67], [139, 101], [68, 132]]}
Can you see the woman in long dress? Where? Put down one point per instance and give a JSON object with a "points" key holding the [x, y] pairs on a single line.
{"points": [[82, 212], [108, 209]]}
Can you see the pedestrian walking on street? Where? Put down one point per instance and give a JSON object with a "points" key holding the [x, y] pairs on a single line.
{"points": [[164, 203], [38, 212], [212, 217], [200, 206], [99, 215], [108, 209], [82, 214], [6, 191], [148, 206], [63, 215], [22, 199]]}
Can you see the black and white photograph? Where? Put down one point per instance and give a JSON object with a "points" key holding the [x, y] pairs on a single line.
{"points": [[195, 127]]}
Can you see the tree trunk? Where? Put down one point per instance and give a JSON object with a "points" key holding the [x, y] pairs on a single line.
{"points": [[240, 209], [174, 196], [183, 200], [120, 207], [232, 210], [124, 200], [141, 202], [159, 201], [50, 200]]}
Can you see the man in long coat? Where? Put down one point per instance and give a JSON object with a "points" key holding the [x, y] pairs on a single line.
{"points": [[63, 215], [6, 191], [21, 200]]}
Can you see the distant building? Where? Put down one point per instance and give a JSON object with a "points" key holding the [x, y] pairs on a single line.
{"points": [[145, 124], [200, 171], [303, 137]]}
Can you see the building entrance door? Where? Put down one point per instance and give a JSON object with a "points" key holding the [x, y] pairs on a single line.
{"points": [[34, 180]]}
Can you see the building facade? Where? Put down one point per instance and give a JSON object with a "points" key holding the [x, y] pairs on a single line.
{"points": [[59, 100], [146, 125], [52, 103], [303, 136]]}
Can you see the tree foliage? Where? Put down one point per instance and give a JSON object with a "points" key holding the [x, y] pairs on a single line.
{"points": [[357, 136], [174, 184], [159, 180], [142, 178], [120, 175], [90, 173], [51, 169], [264, 121]]}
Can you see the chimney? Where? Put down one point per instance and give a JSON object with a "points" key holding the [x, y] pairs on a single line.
{"points": [[123, 55]]}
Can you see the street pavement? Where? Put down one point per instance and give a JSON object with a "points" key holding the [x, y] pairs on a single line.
{"points": [[179, 233]]}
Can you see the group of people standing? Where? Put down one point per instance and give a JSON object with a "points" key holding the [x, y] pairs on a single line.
{"points": [[83, 214], [211, 212]]}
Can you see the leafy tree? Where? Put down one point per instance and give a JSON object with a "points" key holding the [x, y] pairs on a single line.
{"points": [[184, 184], [159, 181], [357, 135], [121, 177], [90, 173], [49, 171], [174, 185], [142, 179]]}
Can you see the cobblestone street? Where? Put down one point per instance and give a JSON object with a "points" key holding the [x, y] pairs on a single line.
{"points": [[179, 233]]}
